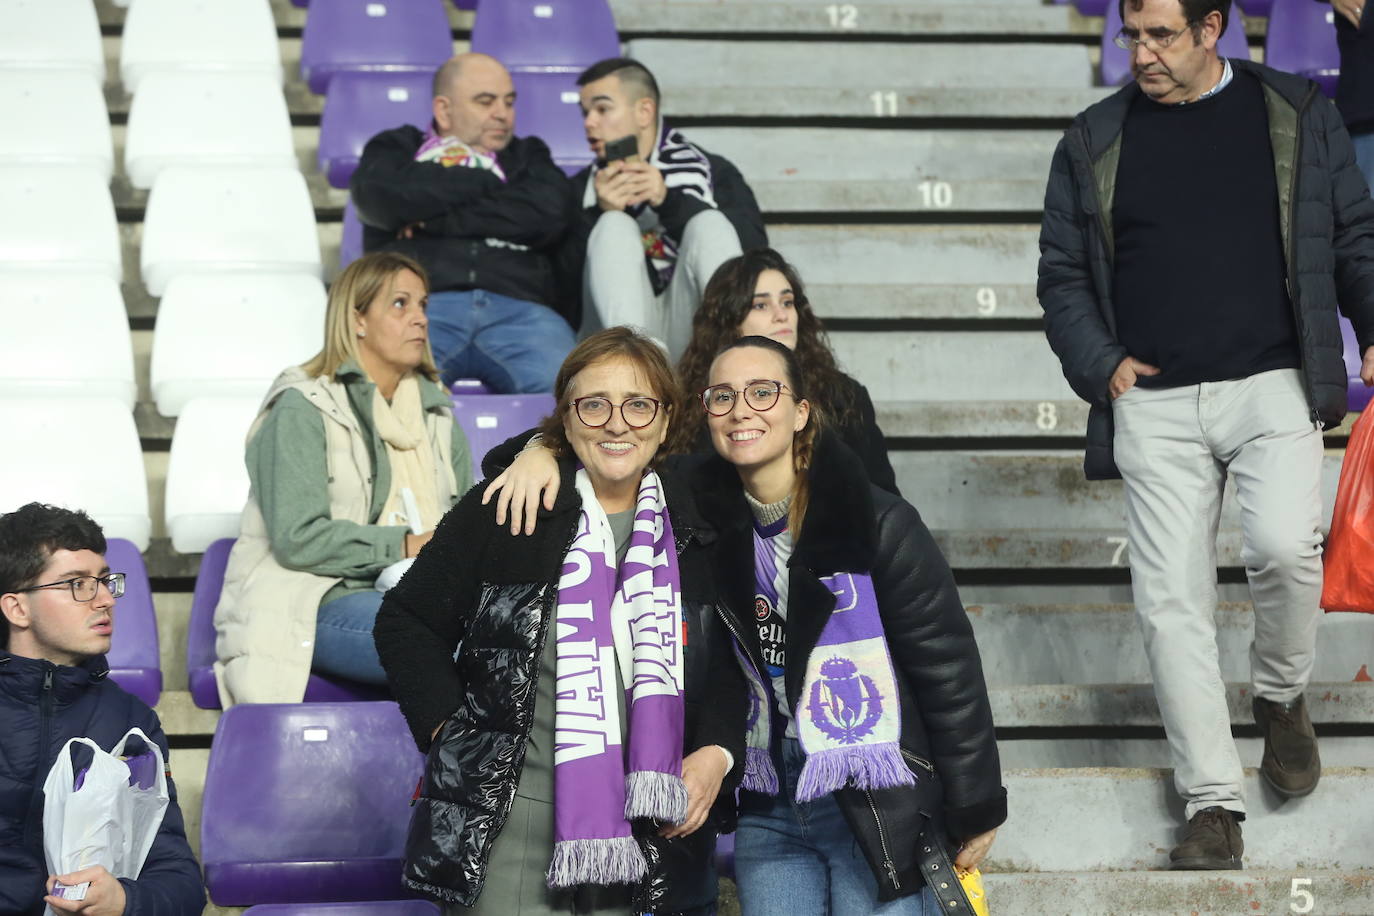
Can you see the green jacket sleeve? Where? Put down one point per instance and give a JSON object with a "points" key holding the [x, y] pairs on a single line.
{"points": [[462, 460], [290, 478]]}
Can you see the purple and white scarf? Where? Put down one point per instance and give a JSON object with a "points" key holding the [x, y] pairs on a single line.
{"points": [[450, 152], [848, 717], [630, 619]]}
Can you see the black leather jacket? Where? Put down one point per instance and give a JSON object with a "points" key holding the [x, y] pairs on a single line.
{"points": [[489, 595], [946, 730]]}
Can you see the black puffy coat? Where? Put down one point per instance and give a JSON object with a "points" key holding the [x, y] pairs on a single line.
{"points": [[470, 230], [491, 595], [42, 706], [1327, 223], [946, 729]]}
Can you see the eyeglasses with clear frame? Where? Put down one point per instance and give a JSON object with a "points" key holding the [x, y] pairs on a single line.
{"points": [[1151, 42], [595, 411], [85, 588], [759, 394]]}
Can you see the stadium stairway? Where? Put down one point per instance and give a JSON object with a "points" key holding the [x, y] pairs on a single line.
{"points": [[899, 150]]}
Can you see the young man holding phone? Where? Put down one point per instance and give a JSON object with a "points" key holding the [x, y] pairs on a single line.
{"points": [[656, 213]]}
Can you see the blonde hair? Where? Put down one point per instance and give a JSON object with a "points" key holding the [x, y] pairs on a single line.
{"points": [[349, 296]]}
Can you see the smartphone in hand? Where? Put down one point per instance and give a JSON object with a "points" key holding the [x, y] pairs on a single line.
{"points": [[626, 148]]}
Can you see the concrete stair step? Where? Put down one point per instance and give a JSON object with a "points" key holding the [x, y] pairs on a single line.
{"points": [[1145, 893], [1131, 705], [919, 18], [819, 169], [1101, 644], [1016, 490], [1045, 549], [1112, 820], [1092, 752]]}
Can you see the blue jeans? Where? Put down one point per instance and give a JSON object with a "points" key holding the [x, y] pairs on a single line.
{"points": [[803, 860], [512, 345], [1364, 156], [343, 638]]}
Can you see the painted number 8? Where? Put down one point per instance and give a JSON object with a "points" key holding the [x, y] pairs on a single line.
{"points": [[1046, 416]]}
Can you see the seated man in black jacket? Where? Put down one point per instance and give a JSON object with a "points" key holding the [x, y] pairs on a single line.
{"points": [[482, 210], [58, 598], [653, 226]]}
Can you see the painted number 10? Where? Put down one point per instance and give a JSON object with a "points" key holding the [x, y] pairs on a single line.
{"points": [[843, 16]]}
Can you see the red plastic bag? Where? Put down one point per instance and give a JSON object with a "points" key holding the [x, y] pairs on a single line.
{"points": [[1349, 558]]}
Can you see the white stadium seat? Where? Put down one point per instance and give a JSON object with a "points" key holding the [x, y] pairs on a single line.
{"points": [[203, 220], [232, 35], [82, 453], [230, 335], [59, 34], [207, 481], [206, 119], [54, 117], [58, 218], [66, 335]]}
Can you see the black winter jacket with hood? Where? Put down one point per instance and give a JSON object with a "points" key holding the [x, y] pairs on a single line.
{"points": [[946, 729], [42, 705], [1326, 221], [490, 595]]}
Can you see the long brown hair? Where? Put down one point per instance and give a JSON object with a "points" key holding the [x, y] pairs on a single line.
{"points": [[804, 440], [728, 298], [350, 295], [616, 343]]}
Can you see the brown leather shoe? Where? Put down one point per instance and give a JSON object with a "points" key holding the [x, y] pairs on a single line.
{"points": [[1291, 763], [1212, 842]]}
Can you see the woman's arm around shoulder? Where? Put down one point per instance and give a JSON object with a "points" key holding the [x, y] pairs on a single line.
{"points": [[933, 648], [424, 617]]}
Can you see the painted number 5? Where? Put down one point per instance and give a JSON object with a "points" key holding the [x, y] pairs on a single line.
{"points": [[843, 16], [1299, 892]]}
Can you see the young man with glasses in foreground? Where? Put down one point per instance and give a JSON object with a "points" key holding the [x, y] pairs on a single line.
{"points": [[1200, 226], [58, 598]]}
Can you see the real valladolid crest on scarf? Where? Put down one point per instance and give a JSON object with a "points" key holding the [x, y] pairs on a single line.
{"points": [[848, 716], [606, 618]]}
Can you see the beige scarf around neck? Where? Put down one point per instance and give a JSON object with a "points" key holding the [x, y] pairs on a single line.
{"points": [[401, 424]]}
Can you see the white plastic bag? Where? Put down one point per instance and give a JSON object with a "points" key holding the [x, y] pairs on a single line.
{"points": [[110, 813]]}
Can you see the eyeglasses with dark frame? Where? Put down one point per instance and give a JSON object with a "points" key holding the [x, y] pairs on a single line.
{"points": [[596, 411], [1151, 42], [759, 394], [85, 588]]}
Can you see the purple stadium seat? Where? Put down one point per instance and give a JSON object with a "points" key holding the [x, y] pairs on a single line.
{"points": [[372, 908], [307, 803], [1258, 8], [390, 36], [200, 643], [490, 419], [1094, 7], [725, 856], [362, 105], [462, 386], [465, 4], [547, 107], [133, 656], [1302, 39], [351, 248], [546, 35], [1116, 63], [1359, 395]]}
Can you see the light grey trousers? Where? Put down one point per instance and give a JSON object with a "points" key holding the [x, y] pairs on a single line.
{"points": [[1174, 448], [616, 283]]}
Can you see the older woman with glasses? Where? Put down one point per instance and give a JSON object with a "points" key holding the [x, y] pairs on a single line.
{"points": [[575, 692]]}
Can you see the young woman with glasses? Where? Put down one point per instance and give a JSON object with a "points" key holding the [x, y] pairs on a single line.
{"points": [[761, 293], [872, 777], [575, 692]]}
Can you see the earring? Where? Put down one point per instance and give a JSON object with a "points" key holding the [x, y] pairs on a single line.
{"points": [[362, 334]]}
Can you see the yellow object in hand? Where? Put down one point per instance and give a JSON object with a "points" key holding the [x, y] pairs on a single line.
{"points": [[972, 883]]}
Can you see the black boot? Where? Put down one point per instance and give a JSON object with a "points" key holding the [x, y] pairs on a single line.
{"points": [[1212, 842], [1291, 763]]}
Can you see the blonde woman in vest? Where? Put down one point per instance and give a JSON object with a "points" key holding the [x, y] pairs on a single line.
{"points": [[352, 454]]}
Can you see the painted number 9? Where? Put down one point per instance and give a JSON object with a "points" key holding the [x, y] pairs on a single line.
{"points": [[987, 300]]}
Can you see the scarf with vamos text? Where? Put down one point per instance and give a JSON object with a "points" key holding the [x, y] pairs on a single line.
{"points": [[848, 717], [630, 618]]}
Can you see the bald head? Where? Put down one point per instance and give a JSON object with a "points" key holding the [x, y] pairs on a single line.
{"points": [[474, 100]]}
